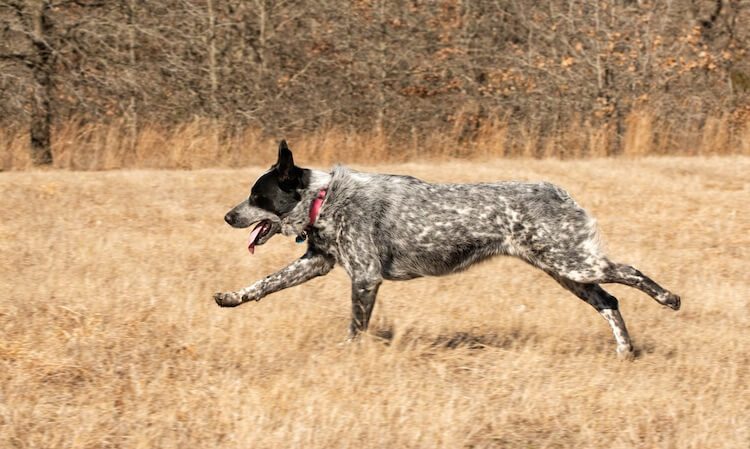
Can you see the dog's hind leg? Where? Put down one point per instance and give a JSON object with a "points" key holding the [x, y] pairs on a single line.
{"points": [[607, 306], [627, 275], [586, 265]]}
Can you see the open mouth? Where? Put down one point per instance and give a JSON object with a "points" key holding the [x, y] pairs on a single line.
{"points": [[259, 231]]}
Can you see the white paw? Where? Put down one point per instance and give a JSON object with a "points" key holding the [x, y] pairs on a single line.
{"points": [[231, 299]]}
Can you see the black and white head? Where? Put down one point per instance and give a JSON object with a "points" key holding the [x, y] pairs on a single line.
{"points": [[274, 195]]}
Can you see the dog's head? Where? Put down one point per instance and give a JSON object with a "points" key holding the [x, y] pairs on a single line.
{"points": [[272, 197]]}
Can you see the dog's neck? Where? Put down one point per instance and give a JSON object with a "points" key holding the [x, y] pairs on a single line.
{"points": [[299, 218], [318, 180]]}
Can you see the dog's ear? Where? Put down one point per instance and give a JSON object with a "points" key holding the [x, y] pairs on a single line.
{"points": [[285, 164], [291, 177]]}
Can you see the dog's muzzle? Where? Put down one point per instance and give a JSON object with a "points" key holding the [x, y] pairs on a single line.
{"points": [[237, 220], [244, 215]]}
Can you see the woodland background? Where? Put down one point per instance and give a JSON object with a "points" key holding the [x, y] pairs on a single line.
{"points": [[105, 84]]}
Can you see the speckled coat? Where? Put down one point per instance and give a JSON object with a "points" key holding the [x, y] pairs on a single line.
{"points": [[386, 227]]}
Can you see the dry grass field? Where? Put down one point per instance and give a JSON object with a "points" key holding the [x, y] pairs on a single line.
{"points": [[205, 143], [109, 336]]}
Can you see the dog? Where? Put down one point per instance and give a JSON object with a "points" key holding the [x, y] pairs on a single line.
{"points": [[387, 227]]}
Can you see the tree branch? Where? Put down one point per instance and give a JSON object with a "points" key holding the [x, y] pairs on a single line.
{"points": [[27, 60], [82, 4], [18, 9]]}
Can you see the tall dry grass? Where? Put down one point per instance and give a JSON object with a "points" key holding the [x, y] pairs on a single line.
{"points": [[206, 143], [109, 337]]}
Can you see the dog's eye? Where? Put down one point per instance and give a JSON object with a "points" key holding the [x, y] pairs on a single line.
{"points": [[259, 200]]}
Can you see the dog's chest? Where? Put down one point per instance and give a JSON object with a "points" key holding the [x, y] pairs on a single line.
{"points": [[323, 240]]}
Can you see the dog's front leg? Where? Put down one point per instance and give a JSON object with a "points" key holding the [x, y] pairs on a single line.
{"points": [[364, 292], [311, 265]]}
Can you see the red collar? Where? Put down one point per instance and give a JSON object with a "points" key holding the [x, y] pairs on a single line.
{"points": [[316, 205]]}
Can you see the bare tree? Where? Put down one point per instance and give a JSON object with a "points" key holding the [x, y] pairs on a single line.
{"points": [[33, 24], [35, 33], [404, 67]]}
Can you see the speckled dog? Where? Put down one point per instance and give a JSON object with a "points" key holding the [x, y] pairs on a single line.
{"points": [[397, 227]]}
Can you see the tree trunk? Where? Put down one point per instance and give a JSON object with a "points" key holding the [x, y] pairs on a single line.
{"points": [[212, 75], [41, 109], [382, 61], [41, 119], [132, 113]]}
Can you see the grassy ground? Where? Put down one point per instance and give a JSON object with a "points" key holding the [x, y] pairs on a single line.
{"points": [[109, 336]]}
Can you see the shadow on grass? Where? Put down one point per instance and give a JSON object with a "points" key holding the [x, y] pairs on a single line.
{"points": [[511, 339], [474, 340]]}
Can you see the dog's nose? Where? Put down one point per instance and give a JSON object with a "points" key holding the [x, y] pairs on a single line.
{"points": [[230, 217]]}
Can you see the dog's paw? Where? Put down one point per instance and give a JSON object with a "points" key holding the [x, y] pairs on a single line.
{"points": [[672, 301], [231, 299], [625, 352]]}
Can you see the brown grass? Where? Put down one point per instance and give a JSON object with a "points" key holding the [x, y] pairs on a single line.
{"points": [[109, 336], [205, 143]]}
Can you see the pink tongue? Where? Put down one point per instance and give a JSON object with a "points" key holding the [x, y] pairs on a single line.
{"points": [[253, 236]]}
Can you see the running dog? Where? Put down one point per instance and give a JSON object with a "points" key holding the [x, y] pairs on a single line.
{"points": [[397, 227]]}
